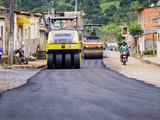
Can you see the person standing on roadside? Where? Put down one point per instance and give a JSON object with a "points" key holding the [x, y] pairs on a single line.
{"points": [[46, 31], [1, 50]]}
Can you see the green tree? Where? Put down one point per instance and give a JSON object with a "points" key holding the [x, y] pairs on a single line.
{"points": [[65, 7], [1, 2], [136, 30], [93, 11], [113, 30], [124, 3]]}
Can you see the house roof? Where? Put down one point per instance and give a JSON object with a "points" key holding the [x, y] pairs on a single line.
{"points": [[148, 7], [3, 8], [92, 25], [62, 13], [63, 18], [28, 13]]}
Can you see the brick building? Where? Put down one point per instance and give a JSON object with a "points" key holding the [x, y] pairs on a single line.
{"points": [[79, 15], [145, 18]]}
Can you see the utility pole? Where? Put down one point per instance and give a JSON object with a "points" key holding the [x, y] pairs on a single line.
{"points": [[53, 7], [75, 7], [11, 38]]}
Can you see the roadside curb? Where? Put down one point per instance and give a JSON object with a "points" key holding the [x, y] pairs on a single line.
{"points": [[24, 67], [29, 66], [149, 62]]}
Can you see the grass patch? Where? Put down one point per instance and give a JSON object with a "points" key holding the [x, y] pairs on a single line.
{"points": [[102, 1], [108, 4]]}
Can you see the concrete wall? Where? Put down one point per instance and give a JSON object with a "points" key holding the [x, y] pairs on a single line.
{"points": [[158, 42], [70, 23], [4, 29], [149, 44], [42, 41], [79, 20], [142, 44], [28, 33]]}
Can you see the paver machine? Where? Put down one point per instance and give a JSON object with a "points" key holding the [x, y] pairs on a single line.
{"points": [[63, 49], [92, 45]]}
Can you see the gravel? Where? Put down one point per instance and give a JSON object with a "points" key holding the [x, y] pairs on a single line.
{"points": [[12, 78]]}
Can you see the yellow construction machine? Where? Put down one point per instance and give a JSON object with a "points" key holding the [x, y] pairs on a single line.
{"points": [[92, 45], [63, 48]]}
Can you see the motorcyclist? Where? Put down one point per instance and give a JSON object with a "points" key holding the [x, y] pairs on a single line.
{"points": [[124, 48]]}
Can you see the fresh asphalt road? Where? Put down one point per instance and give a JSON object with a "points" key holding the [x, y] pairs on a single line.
{"points": [[90, 93]]}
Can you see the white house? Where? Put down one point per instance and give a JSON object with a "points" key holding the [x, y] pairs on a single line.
{"points": [[4, 29], [158, 42], [27, 31], [157, 21]]}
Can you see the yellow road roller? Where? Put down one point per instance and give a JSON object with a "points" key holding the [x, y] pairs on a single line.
{"points": [[63, 49]]}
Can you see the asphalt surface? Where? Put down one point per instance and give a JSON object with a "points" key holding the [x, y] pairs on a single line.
{"points": [[90, 93]]}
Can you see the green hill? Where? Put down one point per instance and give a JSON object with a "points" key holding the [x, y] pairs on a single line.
{"points": [[105, 5], [96, 11], [102, 1], [1, 2]]}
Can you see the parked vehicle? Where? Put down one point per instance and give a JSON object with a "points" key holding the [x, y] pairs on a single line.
{"points": [[20, 56]]}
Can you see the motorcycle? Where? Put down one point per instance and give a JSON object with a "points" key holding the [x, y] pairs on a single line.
{"points": [[20, 56], [124, 58]]}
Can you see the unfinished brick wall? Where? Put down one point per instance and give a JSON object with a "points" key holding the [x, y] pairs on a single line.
{"points": [[145, 18]]}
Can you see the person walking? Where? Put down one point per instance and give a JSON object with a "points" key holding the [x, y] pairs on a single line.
{"points": [[1, 52]]}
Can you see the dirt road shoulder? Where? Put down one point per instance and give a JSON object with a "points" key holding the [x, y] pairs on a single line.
{"points": [[134, 68]]}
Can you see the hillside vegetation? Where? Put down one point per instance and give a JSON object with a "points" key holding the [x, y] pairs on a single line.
{"points": [[106, 5], [96, 11]]}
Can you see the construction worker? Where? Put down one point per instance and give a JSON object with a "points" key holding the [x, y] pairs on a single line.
{"points": [[46, 31]]}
